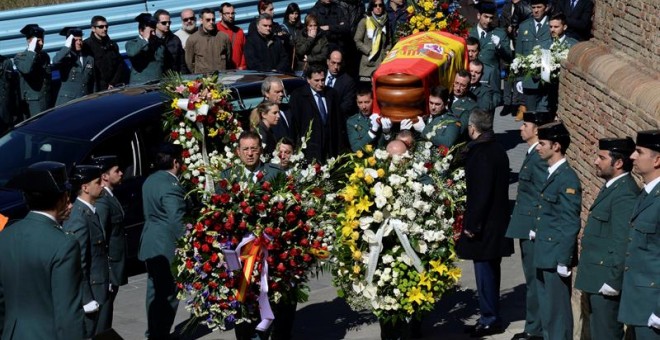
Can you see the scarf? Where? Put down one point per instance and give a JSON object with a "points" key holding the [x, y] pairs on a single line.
{"points": [[375, 29]]}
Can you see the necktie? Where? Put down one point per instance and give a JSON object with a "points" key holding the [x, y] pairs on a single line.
{"points": [[322, 110], [483, 34], [331, 80], [573, 3], [538, 27]]}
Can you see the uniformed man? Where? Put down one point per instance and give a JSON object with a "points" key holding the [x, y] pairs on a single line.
{"points": [[489, 75], [251, 167], [85, 226], [461, 104], [164, 207], [603, 243], [533, 174], [640, 296], [494, 42], [111, 216], [76, 68], [555, 233], [34, 71], [486, 97], [364, 127], [443, 127], [7, 94], [40, 276], [146, 52]]}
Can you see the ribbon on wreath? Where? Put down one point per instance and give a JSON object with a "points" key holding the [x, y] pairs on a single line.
{"points": [[546, 61], [376, 246], [248, 251], [192, 116]]}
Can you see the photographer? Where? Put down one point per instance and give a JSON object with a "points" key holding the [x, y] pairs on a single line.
{"points": [[146, 52], [513, 13]]}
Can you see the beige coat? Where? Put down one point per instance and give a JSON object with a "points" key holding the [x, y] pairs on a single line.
{"points": [[206, 53], [363, 43]]}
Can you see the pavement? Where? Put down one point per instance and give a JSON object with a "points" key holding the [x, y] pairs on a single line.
{"points": [[325, 316]]}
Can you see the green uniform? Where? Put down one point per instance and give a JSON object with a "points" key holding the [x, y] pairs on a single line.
{"points": [[461, 107], [491, 77], [535, 92], [40, 296], [603, 254], [533, 174], [490, 53], [485, 96], [444, 129], [164, 208], [640, 294], [557, 225], [34, 71], [358, 127], [76, 74], [147, 60], [7, 93], [268, 170], [84, 224], [111, 216]]}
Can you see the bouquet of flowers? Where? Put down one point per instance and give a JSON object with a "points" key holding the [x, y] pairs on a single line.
{"points": [[201, 120], [433, 15], [394, 233], [541, 64]]}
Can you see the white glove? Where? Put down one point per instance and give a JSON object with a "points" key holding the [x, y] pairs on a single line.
{"points": [[406, 124], [654, 321], [608, 291], [69, 41], [519, 87], [419, 126], [386, 124], [374, 128], [91, 307], [532, 234], [563, 271], [495, 40], [110, 288], [32, 45]]}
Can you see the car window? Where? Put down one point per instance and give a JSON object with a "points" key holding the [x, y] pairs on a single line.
{"points": [[122, 146]]}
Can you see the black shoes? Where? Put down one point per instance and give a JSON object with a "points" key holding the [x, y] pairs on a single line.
{"points": [[478, 330], [526, 336]]}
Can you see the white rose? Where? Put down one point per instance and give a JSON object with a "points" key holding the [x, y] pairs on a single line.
{"points": [[378, 216]]}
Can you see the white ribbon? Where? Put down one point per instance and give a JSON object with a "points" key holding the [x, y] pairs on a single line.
{"points": [[265, 311], [192, 116], [376, 246], [546, 60]]}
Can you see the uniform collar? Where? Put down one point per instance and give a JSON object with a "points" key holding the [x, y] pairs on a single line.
{"points": [[91, 207], [611, 181], [555, 166], [651, 185]]}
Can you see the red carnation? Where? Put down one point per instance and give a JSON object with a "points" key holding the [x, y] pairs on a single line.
{"points": [[191, 105], [281, 268], [174, 135], [311, 212], [189, 264], [177, 112], [304, 242], [205, 248], [207, 267], [242, 225], [261, 207], [235, 188], [290, 217], [185, 154], [197, 285], [443, 150], [266, 185], [200, 118], [225, 198], [307, 258]]}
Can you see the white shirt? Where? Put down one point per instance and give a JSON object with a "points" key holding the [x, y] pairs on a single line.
{"points": [[542, 22], [251, 174], [651, 185], [283, 116], [45, 214], [91, 207], [316, 100], [531, 148], [611, 181], [109, 191], [554, 167]]}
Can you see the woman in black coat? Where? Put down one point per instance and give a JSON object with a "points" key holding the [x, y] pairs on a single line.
{"points": [[263, 118]]}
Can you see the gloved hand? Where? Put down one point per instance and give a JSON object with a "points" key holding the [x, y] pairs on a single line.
{"points": [[654, 321], [519, 87], [375, 126], [532, 234], [32, 45], [419, 126], [563, 271], [495, 40], [69, 41], [406, 124], [608, 291], [386, 124], [91, 307]]}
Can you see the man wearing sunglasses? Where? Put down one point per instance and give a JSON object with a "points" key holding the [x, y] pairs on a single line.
{"points": [[188, 26], [109, 67], [175, 57], [208, 50]]}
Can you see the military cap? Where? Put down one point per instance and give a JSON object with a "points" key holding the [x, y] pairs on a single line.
{"points": [[539, 2], [649, 139], [174, 150], [105, 162], [42, 177], [146, 19], [32, 30], [486, 7], [538, 117], [75, 31], [85, 173], [555, 131], [625, 146]]}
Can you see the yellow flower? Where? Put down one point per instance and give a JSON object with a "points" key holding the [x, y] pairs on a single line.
{"points": [[359, 154], [428, 6], [357, 255], [173, 105], [439, 15], [198, 105], [442, 25], [364, 204], [413, 20], [438, 267], [410, 9], [433, 27], [346, 231], [356, 269], [369, 148], [368, 179], [351, 212], [349, 193], [415, 31], [381, 173], [454, 274], [355, 236], [416, 295], [371, 160], [425, 280], [427, 21], [359, 171], [213, 132], [215, 94]]}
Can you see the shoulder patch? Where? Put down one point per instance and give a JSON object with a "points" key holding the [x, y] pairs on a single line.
{"points": [[458, 124], [570, 191]]}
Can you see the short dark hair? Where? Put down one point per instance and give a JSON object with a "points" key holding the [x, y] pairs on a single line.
{"points": [[333, 50], [625, 158], [314, 68], [288, 141], [263, 4], [206, 10], [364, 90], [558, 16], [463, 73], [247, 134], [165, 159], [225, 5], [477, 62], [43, 200], [471, 41], [481, 120], [96, 19], [440, 92], [160, 12]]}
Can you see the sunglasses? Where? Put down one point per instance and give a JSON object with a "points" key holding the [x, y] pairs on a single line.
{"points": [[101, 26], [165, 23], [211, 20], [189, 19], [379, 5]]}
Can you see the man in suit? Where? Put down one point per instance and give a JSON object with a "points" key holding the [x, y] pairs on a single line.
{"points": [[85, 226], [111, 216], [164, 207], [272, 89], [364, 127], [485, 219], [494, 43], [34, 71], [555, 233], [146, 52], [603, 243], [578, 17], [640, 297], [532, 176], [534, 32], [341, 82], [40, 276], [76, 67], [316, 107], [487, 98]]}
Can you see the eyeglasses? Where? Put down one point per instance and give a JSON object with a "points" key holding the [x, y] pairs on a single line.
{"points": [[165, 23], [188, 19], [211, 20], [379, 5], [101, 26]]}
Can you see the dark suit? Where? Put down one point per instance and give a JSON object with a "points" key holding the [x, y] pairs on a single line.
{"points": [[603, 254], [40, 296], [557, 225], [486, 216], [536, 96], [76, 73], [532, 176], [164, 207], [578, 19], [84, 224], [327, 139], [346, 89], [640, 294], [282, 128]]}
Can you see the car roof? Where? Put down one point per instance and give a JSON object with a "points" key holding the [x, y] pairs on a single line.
{"points": [[92, 116]]}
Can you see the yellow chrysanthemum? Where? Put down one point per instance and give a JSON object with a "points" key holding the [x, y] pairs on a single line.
{"points": [[442, 25], [413, 20], [439, 15], [359, 154], [356, 269], [427, 21], [428, 6], [381, 173], [357, 255], [371, 161], [369, 148], [359, 171], [355, 236], [410, 9], [368, 179]]}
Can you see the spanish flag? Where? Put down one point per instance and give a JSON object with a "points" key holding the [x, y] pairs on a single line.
{"points": [[3, 221]]}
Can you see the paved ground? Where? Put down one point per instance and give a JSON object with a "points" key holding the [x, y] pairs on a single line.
{"points": [[325, 316]]}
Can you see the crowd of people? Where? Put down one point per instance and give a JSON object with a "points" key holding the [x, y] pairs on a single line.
{"points": [[336, 49]]}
